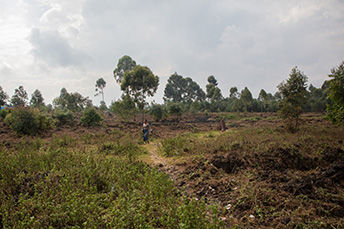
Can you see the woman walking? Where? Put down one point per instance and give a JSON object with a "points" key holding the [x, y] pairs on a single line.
{"points": [[145, 130]]}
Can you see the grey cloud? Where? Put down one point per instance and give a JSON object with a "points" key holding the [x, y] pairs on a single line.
{"points": [[52, 48]]}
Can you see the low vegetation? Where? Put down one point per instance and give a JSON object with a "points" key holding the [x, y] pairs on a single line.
{"points": [[92, 181]]}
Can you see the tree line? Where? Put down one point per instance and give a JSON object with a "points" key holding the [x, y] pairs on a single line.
{"points": [[183, 94]]}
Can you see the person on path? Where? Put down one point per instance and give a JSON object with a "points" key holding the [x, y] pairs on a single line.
{"points": [[223, 124], [145, 130]]}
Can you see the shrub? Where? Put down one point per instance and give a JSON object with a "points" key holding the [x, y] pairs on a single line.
{"points": [[24, 121], [175, 109], [28, 121], [91, 117], [4, 113], [65, 117], [157, 111]]}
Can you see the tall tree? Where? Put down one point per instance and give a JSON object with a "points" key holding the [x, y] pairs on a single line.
{"points": [[263, 98], [71, 101], [126, 63], [100, 85], [336, 94], [233, 92], [213, 92], [180, 89], [140, 83], [37, 99], [246, 98], [20, 97], [3, 97], [294, 93]]}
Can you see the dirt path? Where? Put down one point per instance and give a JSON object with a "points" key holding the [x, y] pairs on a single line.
{"points": [[161, 162]]}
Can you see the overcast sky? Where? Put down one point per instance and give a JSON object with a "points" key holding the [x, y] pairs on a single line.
{"points": [[51, 44]]}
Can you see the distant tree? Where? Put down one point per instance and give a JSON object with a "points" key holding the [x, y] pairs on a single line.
{"points": [[233, 92], [20, 97], [213, 92], [157, 111], [91, 117], [180, 89], [124, 64], [100, 85], [175, 109], [71, 101], [124, 108], [263, 99], [140, 83], [294, 93], [318, 99], [246, 98], [212, 80], [37, 99], [336, 94], [3, 97]]}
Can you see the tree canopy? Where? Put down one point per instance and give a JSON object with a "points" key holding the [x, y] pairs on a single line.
{"points": [[20, 97], [140, 83], [126, 63], [336, 94], [294, 95], [180, 89], [213, 92], [100, 85], [37, 99], [3, 97], [71, 101]]}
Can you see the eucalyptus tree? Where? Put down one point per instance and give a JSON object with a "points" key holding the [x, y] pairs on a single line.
{"points": [[126, 63], [3, 97], [184, 90], [20, 97], [336, 94], [294, 94], [139, 83], [100, 85], [37, 99]]}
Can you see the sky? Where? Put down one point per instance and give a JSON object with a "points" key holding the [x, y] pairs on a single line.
{"points": [[51, 44]]}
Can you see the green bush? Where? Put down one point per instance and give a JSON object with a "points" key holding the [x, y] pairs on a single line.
{"points": [[25, 121], [176, 109], [65, 117], [157, 111], [91, 117], [4, 113], [28, 121]]}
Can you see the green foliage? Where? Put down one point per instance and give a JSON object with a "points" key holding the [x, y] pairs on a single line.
{"points": [[175, 109], [100, 85], [3, 97], [91, 117], [28, 121], [20, 97], [174, 146], [126, 63], [157, 111], [213, 91], [64, 117], [140, 83], [124, 108], [336, 94], [180, 89], [58, 188], [294, 94], [71, 101], [37, 99], [4, 113]]}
